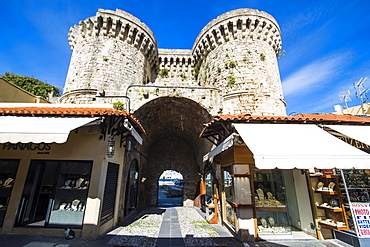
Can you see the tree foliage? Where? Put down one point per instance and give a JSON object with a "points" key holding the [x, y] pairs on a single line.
{"points": [[31, 85]]}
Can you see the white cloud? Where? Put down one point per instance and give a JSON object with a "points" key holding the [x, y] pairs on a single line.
{"points": [[314, 75]]}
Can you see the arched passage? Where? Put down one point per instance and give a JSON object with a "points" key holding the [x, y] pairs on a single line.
{"points": [[172, 142], [170, 188]]}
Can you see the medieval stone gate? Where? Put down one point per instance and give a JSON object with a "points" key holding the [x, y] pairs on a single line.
{"points": [[231, 69], [172, 142]]}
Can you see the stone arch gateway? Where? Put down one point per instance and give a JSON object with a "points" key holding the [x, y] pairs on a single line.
{"points": [[171, 143], [231, 69]]}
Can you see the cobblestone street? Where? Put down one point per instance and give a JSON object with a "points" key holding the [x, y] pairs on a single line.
{"points": [[162, 227]]}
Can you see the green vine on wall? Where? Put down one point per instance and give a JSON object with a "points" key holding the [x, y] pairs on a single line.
{"points": [[119, 106], [231, 80], [163, 72]]}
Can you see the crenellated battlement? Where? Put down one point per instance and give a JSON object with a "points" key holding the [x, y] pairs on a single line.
{"points": [[120, 25], [240, 24], [175, 57], [232, 67]]}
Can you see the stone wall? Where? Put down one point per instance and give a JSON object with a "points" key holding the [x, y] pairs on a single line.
{"points": [[237, 52], [231, 69], [110, 51]]}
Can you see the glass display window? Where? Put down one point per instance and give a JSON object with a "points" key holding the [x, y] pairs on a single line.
{"points": [[70, 194], [354, 188], [228, 202], [211, 199], [8, 170], [208, 181], [270, 202], [228, 186], [54, 194]]}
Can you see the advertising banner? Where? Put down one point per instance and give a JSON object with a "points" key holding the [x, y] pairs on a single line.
{"points": [[361, 213]]}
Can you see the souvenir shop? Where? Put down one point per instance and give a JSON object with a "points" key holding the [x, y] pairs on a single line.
{"points": [[62, 171], [262, 181]]}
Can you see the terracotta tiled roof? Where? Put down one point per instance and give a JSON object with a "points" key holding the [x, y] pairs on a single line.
{"points": [[317, 118], [67, 111], [218, 120]]}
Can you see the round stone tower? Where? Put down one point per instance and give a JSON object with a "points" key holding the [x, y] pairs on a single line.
{"points": [[237, 52], [110, 51]]}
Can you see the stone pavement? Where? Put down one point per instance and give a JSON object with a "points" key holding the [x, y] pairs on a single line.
{"points": [[161, 227]]}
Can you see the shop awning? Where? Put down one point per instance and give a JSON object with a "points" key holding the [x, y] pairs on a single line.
{"points": [[226, 144], [38, 129], [359, 133], [302, 146]]}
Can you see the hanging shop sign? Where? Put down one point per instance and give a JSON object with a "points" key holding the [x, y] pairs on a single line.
{"points": [[355, 143], [361, 213]]}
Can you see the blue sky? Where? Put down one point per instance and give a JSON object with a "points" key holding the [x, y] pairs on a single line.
{"points": [[326, 41]]}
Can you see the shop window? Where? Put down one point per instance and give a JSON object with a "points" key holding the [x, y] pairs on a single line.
{"points": [[208, 181], [228, 186], [229, 214], [270, 202], [211, 199], [110, 190], [355, 190], [55, 194], [8, 170]]}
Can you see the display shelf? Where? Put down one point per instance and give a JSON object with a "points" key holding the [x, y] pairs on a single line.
{"points": [[357, 183], [336, 210], [327, 199], [270, 202], [326, 192], [333, 226], [271, 209]]}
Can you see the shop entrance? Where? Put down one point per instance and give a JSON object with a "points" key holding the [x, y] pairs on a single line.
{"points": [[275, 202], [54, 194], [37, 194], [170, 188], [282, 203], [132, 187]]}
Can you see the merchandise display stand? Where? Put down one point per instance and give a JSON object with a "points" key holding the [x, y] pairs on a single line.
{"points": [[270, 203], [327, 203]]}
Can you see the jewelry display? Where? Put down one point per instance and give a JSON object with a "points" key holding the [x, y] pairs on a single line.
{"points": [[75, 205], [260, 194], [334, 203], [7, 183], [320, 185], [328, 202], [331, 186], [271, 221], [8, 171], [263, 222], [354, 186], [270, 203], [79, 183]]}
